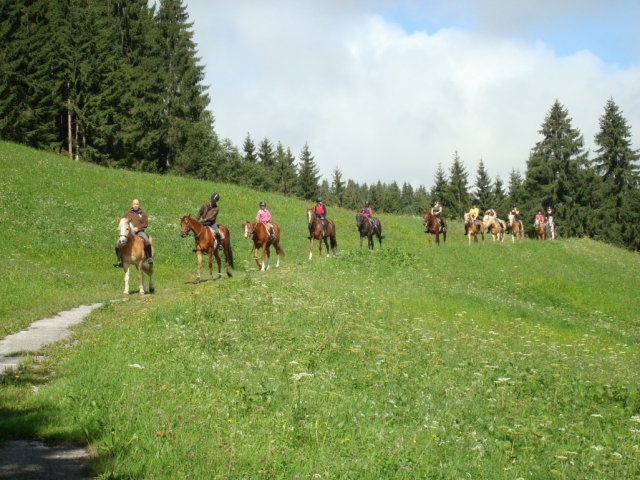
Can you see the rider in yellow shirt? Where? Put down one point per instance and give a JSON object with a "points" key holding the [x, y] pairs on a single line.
{"points": [[474, 212]]}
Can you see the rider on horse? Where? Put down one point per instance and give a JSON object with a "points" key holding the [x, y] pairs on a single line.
{"points": [[139, 221], [539, 217], [475, 213], [494, 214], [264, 216], [209, 213], [321, 213], [515, 212], [367, 211], [436, 211]]}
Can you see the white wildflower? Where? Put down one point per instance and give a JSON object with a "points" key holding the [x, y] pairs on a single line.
{"points": [[135, 365], [597, 415], [297, 376]]}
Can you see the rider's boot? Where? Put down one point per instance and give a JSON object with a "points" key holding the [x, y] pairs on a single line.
{"points": [[118, 264], [147, 252], [219, 238]]}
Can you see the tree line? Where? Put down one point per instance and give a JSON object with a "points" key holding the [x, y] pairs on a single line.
{"points": [[118, 83]]}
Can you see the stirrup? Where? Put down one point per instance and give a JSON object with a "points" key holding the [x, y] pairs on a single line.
{"points": [[118, 264], [150, 260]]}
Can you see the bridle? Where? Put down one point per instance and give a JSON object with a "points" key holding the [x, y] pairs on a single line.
{"points": [[123, 237]]}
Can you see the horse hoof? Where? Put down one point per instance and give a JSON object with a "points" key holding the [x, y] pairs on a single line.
{"points": [[229, 275], [152, 290], [196, 281]]}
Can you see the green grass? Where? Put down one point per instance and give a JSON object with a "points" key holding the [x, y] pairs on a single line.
{"points": [[482, 361]]}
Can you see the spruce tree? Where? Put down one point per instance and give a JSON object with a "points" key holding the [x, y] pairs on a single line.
{"points": [[421, 201], [555, 174], [249, 149], [266, 154], [308, 175], [284, 171], [483, 190], [391, 198], [337, 186], [351, 198], [439, 185], [499, 196], [456, 195], [516, 193], [407, 199]]}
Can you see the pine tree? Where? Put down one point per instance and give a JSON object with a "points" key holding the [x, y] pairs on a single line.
{"points": [[351, 198], [516, 193], [483, 189], [391, 198], [284, 171], [555, 174], [266, 154], [421, 202], [249, 149], [337, 186], [500, 200], [407, 199], [439, 185], [308, 175], [618, 171], [456, 195]]}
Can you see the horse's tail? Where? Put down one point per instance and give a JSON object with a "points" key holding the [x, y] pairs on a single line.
{"points": [[230, 259], [279, 249]]}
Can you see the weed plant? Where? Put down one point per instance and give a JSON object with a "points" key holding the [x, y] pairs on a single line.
{"points": [[483, 361]]}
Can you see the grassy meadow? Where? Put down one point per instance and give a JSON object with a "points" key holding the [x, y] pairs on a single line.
{"points": [[505, 361]]}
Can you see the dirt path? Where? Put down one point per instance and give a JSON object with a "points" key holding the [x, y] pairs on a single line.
{"points": [[33, 459]]}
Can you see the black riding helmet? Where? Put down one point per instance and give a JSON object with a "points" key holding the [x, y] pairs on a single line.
{"points": [[318, 200], [366, 202], [215, 197], [263, 204]]}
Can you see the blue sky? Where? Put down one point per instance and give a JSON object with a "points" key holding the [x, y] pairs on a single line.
{"points": [[386, 90]]}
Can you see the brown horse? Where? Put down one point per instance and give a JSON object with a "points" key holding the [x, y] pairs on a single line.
{"points": [[262, 240], [368, 227], [433, 227], [316, 232], [516, 228], [541, 230], [132, 251], [473, 228], [207, 242], [494, 226]]}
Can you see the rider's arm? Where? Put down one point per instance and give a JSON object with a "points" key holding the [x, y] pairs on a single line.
{"points": [[201, 212]]}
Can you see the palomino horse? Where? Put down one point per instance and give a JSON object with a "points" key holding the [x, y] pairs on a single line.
{"points": [[206, 242], [433, 227], [317, 233], [132, 251], [262, 240], [473, 228], [516, 228], [368, 227], [494, 226], [540, 229]]}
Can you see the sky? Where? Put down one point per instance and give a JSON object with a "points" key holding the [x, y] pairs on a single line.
{"points": [[387, 90]]}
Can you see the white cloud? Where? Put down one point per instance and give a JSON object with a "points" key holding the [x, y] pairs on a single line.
{"points": [[383, 104]]}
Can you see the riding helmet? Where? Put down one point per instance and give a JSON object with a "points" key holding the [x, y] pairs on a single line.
{"points": [[215, 197], [263, 204], [434, 201], [367, 202], [319, 199]]}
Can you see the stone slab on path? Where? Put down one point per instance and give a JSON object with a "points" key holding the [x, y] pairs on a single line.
{"points": [[34, 460], [40, 333]]}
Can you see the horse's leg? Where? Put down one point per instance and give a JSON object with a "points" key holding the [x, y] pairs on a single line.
{"points": [[311, 247], [217, 255], [326, 244], [255, 255], [264, 253], [268, 257], [140, 278], [125, 266], [152, 287], [199, 265], [361, 238]]}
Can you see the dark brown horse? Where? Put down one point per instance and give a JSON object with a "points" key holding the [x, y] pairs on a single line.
{"points": [[206, 242], [316, 232], [474, 227], [541, 230], [368, 227], [262, 240], [132, 251], [433, 227]]}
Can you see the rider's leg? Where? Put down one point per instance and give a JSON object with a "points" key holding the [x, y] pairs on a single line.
{"points": [[147, 252], [118, 264]]}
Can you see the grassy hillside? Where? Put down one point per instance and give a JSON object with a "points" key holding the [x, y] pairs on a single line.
{"points": [[483, 361]]}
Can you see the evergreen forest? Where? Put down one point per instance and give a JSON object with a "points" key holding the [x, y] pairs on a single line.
{"points": [[119, 83]]}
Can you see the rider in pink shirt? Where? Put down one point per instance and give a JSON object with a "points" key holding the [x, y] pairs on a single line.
{"points": [[264, 216]]}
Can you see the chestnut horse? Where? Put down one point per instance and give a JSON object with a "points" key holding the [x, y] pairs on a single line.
{"points": [[316, 233], [368, 227], [540, 229], [206, 242], [132, 251], [433, 227], [262, 240], [495, 227], [473, 228], [516, 228]]}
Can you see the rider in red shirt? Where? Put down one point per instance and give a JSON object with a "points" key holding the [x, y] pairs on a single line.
{"points": [[367, 211], [321, 212]]}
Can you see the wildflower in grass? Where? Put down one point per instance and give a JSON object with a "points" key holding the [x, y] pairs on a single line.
{"points": [[596, 415], [191, 454], [635, 418]]}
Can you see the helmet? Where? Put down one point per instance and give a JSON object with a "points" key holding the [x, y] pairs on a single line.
{"points": [[549, 207], [366, 202], [435, 200], [319, 199], [263, 204], [215, 197]]}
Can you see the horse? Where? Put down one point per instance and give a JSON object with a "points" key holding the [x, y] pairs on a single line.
{"points": [[495, 227], [516, 228], [551, 227], [472, 228], [262, 240], [206, 242], [433, 227], [132, 252], [316, 232], [368, 227], [540, 229]]}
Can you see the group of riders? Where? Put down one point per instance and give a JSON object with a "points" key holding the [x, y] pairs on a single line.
{"points": [[208, 213]]}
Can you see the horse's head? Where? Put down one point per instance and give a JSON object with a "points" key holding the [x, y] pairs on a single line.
{"points": [[311, 216], [467, 218], [248, 228], [512, 219], [124, 230], [426, 217], [185, 225], [359, 220]]}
